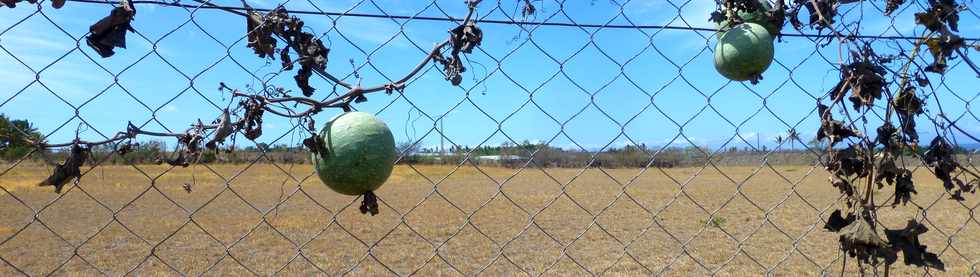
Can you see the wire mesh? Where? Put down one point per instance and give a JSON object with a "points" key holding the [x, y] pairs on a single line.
{"points": [[551, 76]]}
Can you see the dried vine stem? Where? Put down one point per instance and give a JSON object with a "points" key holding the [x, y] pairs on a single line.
{"points": [[353, 91], [316, 105], [462, 39], [132, 131]]}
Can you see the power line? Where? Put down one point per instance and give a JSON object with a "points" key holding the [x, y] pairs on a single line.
{"points": [[490, 21]]}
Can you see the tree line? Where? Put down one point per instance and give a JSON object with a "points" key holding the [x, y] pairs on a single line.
{"points": [[15, 134]]}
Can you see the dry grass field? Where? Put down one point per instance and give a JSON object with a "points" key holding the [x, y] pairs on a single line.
{"points": [[766, 220]]}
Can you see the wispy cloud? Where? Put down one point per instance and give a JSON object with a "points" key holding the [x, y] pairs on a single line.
{"points": [[372, 31], [35, 43], [65, 78], [694, 12]]}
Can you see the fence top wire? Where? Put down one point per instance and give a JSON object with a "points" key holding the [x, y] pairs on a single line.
{"points": [[491, 21]]}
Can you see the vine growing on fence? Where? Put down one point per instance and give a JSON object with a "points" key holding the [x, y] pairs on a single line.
{"points": [[264, 32], [859, 163]]}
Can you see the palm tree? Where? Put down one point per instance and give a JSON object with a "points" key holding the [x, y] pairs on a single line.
{"points": [[16, 136], [792, 136]]}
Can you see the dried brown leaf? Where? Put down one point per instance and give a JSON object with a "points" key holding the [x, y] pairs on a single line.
{"points": [[224, 129], [836, 222], [833, 130], [893, 5], [941, 48], [69, 170], [904, 188], [260, 35], [913, 252], [861, 241], [907, 106], [110, 31]]}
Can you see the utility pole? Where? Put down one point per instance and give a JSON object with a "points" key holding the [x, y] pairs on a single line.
{"points": [[442, 136], [758, 141]]}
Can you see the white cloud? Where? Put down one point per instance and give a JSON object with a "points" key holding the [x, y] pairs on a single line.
{"points": [[35, 43], [170, 108], [360, 30]]}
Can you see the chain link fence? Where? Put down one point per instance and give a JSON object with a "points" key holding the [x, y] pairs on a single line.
{"points": [[721, 177]]}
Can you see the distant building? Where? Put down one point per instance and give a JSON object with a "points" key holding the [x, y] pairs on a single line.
{"points": [[499, 158], [431, 154]]}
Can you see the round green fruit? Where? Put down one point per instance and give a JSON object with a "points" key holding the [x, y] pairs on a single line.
{"points": [[358, 153], [744, 52], [758, 17]]}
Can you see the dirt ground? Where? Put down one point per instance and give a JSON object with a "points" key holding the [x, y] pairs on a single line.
{"points": [[278, 219]]}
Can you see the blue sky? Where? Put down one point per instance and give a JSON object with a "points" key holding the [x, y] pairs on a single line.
{"points": [[595, 87]]}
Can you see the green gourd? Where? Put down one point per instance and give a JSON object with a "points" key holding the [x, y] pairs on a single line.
{"points": [[358, 153], [744, 52]]}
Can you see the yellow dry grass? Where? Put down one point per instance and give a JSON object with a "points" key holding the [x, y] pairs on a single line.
{"points": [[438, 220]]}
